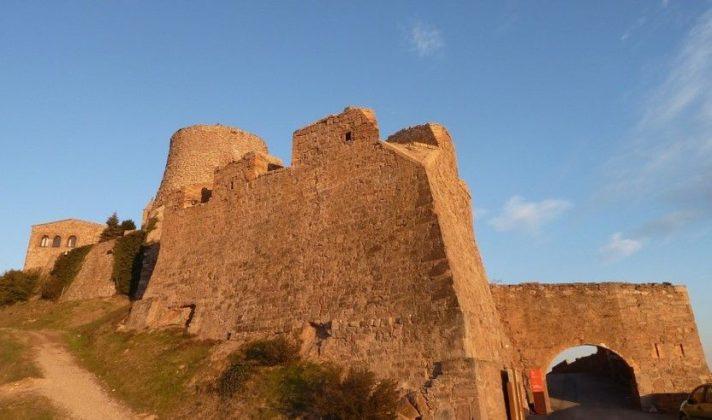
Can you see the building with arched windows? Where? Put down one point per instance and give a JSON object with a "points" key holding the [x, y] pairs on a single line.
{"points": [[50, 240]]}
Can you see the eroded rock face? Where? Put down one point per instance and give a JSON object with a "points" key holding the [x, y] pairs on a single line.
{"points": [[363, 247]]}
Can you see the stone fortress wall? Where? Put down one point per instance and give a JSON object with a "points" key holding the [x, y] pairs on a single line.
{"points": [[94, 278], [364, 250], [651, 326], [49, 240]]}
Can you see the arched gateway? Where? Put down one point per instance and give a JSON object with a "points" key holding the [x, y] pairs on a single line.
{"points": [[649, 326], [591, 376]]}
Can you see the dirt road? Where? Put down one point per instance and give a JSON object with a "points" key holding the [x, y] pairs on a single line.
{"points": [[67, 385], [581, 396]]}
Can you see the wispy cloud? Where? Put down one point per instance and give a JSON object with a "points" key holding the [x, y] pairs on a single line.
{"points": [[634, 27], [668, 157], [619, 247], [425, 40], [666, 225], [519, 214]]}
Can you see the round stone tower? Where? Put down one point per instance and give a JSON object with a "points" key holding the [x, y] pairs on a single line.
{"points": [[196, 151]]}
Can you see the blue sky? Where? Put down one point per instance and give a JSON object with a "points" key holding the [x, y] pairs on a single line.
{"points": [[584, 130]]}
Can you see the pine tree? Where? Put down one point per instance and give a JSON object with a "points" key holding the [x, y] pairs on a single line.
{"points": [[112, 230]]}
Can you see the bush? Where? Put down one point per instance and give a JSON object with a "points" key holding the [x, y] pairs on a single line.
{"points": [[17, 286], [233, 378], [270, 352], [114, 229], [128, 253], [65, 270], [309, 390], [301, 389], [127, 225]]}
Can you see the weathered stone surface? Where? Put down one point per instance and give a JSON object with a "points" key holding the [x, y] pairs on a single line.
{"points": [[369, 243], [41, 257], [94, 278], [651, 326], [196, 151]]}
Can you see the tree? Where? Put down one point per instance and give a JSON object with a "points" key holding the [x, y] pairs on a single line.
{"points": [[112, 230], [127, 224]]}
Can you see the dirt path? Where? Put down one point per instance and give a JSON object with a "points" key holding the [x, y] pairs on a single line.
{"points": [[70, 387]]}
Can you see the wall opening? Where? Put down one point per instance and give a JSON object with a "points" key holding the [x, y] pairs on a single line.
{"points": [[72, 241], [57, 241], [44, 242], [205, 195], [591, 376], [348, 136]]}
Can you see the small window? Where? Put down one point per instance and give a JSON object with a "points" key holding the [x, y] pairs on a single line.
{"points": [[681, 349], [348, 136], [72, 242], [44, 243], [57, 241], [205, 195]]}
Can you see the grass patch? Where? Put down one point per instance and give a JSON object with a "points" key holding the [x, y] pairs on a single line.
{"points": [[150, 371], [15, 360], [29, 407], [42, 314]]}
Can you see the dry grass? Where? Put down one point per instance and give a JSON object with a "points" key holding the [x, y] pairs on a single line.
{"points": [[149, 370], [29, 407], [15, 359]]}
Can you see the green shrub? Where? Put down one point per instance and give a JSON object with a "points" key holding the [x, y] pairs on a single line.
{"points": [[233, 378], [65, 269], [150, 224], [128, 253], [309, 390], [114, 229], [17, 286], [270, 352], [301, 389]]}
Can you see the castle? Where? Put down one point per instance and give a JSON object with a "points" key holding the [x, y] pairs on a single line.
{"points": [[364, 250]]}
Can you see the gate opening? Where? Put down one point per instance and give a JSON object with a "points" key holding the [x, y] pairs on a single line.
{"points": [[591, 376]]}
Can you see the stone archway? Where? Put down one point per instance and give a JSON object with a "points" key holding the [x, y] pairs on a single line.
{"points": [[599, 377]]}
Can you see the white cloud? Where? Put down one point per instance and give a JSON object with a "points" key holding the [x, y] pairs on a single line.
{"points": [[425, 40], [519, 214], [619, 247]]}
